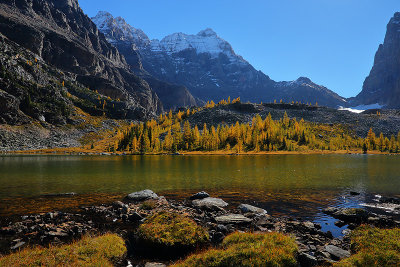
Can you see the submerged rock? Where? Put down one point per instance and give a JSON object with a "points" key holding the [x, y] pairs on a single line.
{"points": [[142, 195], [209, 203], [232, 219], [348, 214], [249, 208]]}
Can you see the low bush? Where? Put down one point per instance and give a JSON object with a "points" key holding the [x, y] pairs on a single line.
{"points": [[374, 247], [105, 250], [247, 249]]}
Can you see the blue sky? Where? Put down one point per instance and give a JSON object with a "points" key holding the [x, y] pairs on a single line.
{"points": [[333, 42]]}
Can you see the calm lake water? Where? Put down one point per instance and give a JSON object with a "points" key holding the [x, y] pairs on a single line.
{"points": [[295, 185]]}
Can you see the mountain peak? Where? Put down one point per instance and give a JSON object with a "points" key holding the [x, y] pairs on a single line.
{"points": [[117, 29], [304, 80], [207, 33], [395, 19]]}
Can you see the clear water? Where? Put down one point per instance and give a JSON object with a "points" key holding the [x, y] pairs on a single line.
{"points": [[289, 185]]}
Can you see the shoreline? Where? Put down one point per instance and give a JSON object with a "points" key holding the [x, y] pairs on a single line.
{"points": [[125, 215], [72, 151]]}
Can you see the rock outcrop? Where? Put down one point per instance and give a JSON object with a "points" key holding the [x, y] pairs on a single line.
{"points": [[382, 86], [60, 34]]}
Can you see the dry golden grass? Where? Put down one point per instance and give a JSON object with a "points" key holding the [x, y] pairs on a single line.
{"points": [[247, 249], [172, 229], [374, 247], [90, 251]]}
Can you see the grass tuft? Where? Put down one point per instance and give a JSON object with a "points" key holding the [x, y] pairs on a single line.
{"points": [[374, 247], [89, 251], [247, 249], [171, 229]]}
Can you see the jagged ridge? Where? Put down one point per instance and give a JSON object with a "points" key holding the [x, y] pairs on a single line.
{"points": [[208, 66]]}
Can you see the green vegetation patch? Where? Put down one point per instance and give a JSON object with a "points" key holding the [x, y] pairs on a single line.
{"points": [[149, 204], [90, 251], [247, 249], [171, 229], [374, 247]]}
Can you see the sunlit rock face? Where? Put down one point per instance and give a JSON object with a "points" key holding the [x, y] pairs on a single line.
{"points": [[63, 36]]}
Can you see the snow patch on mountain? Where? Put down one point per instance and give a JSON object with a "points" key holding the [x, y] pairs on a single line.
{"points": [[119, 30], [361, 108], [206, 41]]}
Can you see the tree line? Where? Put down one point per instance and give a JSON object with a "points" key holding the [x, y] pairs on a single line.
{"points": [[173, 133]]}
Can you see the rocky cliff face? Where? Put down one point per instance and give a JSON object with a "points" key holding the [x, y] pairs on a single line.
{"points": [[127, 39], [382, 86], [58, 32], [208, 66]]}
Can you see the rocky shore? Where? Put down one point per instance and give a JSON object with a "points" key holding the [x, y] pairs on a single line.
{"points": [[123, 217]]}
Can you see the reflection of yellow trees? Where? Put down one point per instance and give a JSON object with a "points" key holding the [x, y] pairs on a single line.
{"points": [[172, 132]]}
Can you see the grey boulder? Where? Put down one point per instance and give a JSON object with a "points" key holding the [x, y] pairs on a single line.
{"points": [[142, 195], [336, 252], [249, 208], [209, 203]]}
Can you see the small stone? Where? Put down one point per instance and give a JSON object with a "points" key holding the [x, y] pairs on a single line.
{"points": [[118, 205], [340, 223], [134, 217], [346, 231], [217, 238], [18, 245], [306, 259], [329, 234], [199, 195], [154, 264], [222, 228], [309, 225], [245, 208]]}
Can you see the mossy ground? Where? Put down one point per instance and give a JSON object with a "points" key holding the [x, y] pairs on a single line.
{"points": [[374, 247], [247, 249], [89, 251], [172, 229], [148, 204]]}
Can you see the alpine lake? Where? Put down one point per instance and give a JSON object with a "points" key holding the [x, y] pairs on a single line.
{"points": [[299, 186]]}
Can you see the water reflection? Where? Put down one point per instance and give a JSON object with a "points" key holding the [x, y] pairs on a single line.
{"points": [[299, 185]]}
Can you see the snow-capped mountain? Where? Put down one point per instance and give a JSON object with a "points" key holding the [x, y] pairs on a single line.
{"points": [[129, 42], [207, 65]]}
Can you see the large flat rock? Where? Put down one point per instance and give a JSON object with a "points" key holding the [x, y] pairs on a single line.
{"points": [[232, 219], [336, 252], [209, 203]]}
